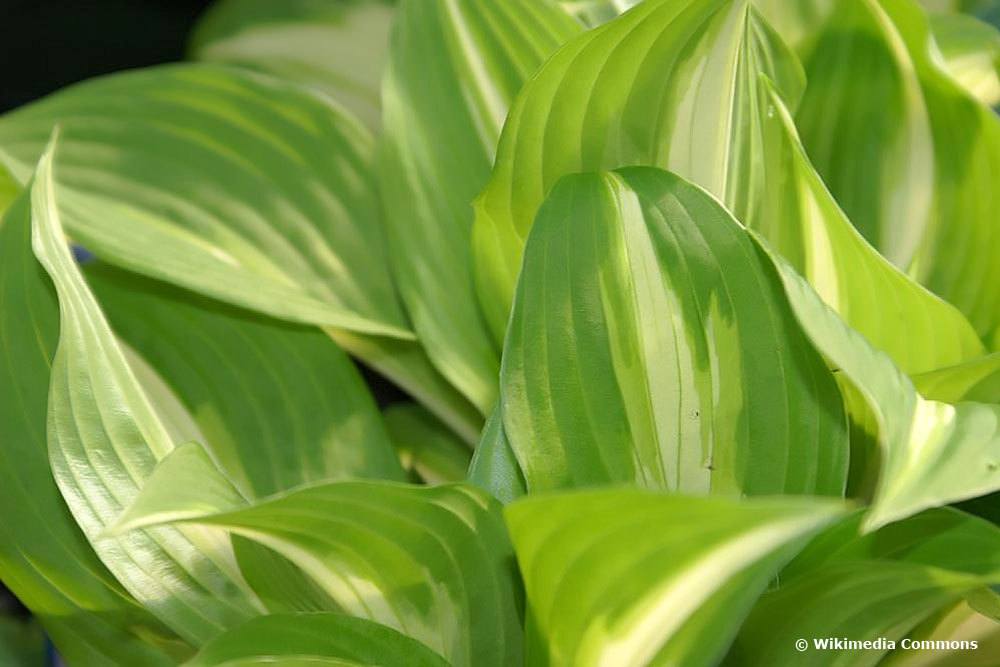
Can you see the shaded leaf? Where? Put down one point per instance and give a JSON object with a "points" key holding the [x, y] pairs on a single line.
{"points": [[315, 639], [494, 467], [426, 448], [278, 404], [336, 47]]}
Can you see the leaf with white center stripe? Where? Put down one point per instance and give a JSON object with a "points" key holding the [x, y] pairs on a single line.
{"points": [[278, 404], [932, 453], [454, 68], [651, 344], [45, 559], [801, 220], [670, 83], [879, 96], [104, 442], [630, 578], [863, 587], [338, 47], [433, 563], [238, 186]]}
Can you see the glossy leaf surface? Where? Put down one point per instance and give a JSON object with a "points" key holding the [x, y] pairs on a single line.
{"points": [[651, 344]]}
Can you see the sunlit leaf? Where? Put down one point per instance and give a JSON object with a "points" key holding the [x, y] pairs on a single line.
{"points": [[238, 186], [910, 155], [651, 344], [880, 585], [104, 441], [44, 557], [454, 69], [623, 577], [932, 453], [431, 562], [669, 84]]}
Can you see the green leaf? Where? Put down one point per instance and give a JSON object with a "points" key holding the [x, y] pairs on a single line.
{"points": [[971, 50], [338, 47], [186, 484], [427, 449], [494, 467], [315, 639], [932, 453], [863, 587], [21, 643], [976, 380], [651, 344], [278, 404], [672, 84], [958, 624], [926, 198], [104, 441], [240, 187], [856, 600], [222, 182], [626, 577], [431, 562], [799, 217], [44, 557], [454, 68], [595, 12]]}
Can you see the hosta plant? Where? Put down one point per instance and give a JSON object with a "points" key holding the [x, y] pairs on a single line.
{"points": [[697, 303]]}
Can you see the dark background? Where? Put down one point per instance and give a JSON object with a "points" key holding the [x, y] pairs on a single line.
{"points": [[47, 44]]}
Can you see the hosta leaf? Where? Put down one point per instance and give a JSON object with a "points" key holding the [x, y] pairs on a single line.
{"points": [[104, 442], [650, 343], [494, 466], [976, 380], [432, 562], [625, 577], [803, 222], [224, 182], [943, 538], [278, 404], [338, 47], [596, 12], [454, 68], [315, 639], [44, 557], [862, 587], [932, 453], [878, 97], [971, 50], [960, 623], [238, 186], [854, 600], [427, 449], [670, 83]]}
